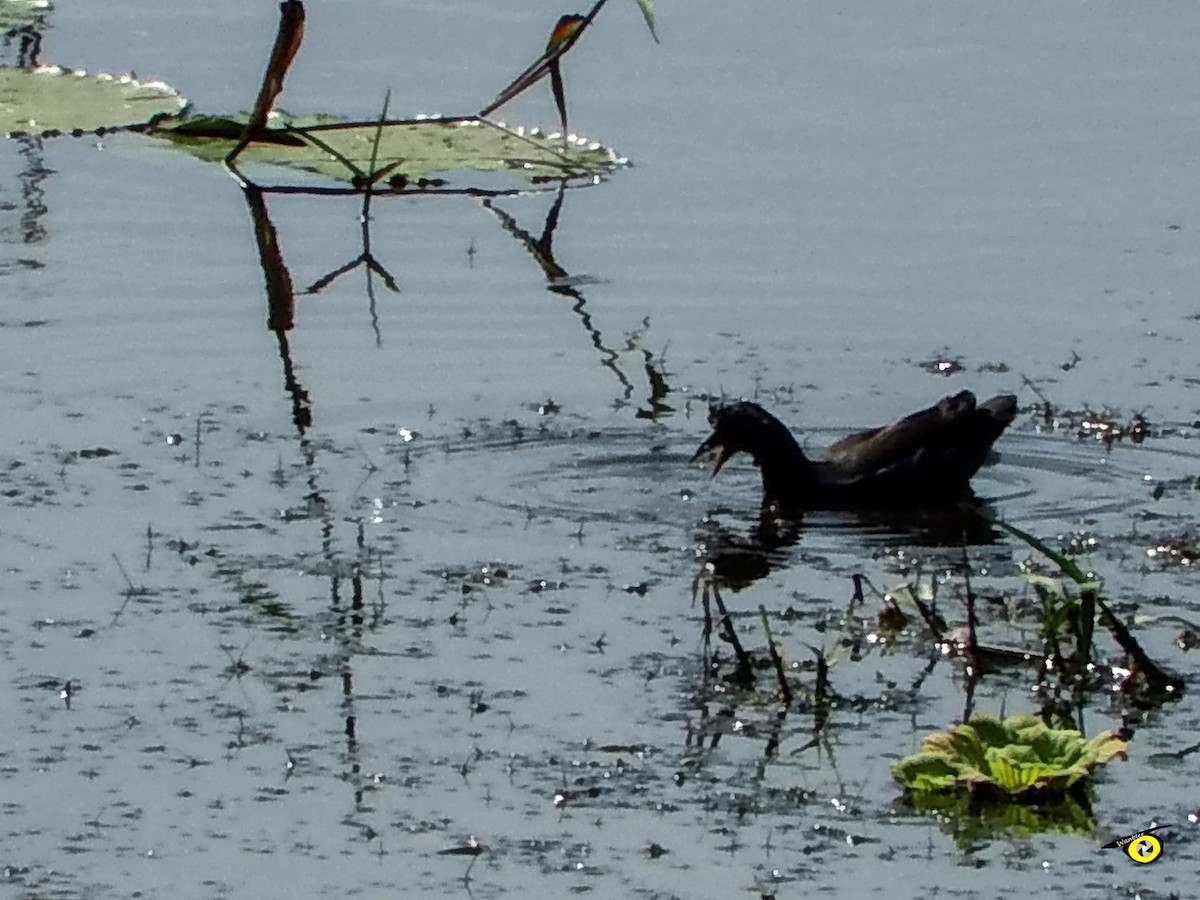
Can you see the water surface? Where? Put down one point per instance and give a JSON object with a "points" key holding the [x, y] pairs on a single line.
{"points": [[456, 604]]}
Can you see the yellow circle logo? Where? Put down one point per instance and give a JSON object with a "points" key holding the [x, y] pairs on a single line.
{"points": [[1145, 849]]}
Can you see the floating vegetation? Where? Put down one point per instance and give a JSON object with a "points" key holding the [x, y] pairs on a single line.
{"points": [[50, 100], [1010, 777], [1018, 758], [1182, 549], [419, 153], [396, 153], [15, 14], [415, 153], [942, 365], [1105, 426]]}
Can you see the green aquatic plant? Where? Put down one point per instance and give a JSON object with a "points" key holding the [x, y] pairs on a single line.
{"points": [[409, 151], [1078, 609], [1013, 759], [419, 153], [1005, 778], [972, 822], [50, 100], [16, 14]]}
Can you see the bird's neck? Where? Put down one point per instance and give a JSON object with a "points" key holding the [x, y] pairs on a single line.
{"points": [[787, 474]]}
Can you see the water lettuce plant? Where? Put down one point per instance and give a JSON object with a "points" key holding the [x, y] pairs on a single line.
{"points": [[1017, 758]]}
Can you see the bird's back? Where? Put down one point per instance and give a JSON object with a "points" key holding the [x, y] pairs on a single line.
{"points": [[931, 453]]}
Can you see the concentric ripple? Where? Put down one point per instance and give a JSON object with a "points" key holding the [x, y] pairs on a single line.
{"points": [[644, 476]]}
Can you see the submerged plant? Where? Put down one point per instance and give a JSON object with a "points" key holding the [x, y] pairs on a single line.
{"points": [[1148, 684], [971, 822], [1015, 759]]}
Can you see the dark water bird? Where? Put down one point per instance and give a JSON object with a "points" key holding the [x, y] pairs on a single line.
{"points": [[925, 460]]}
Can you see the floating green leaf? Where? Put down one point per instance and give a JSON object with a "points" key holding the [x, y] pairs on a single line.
{"points": [[412, 150], [1014, 777], [52, 100], [20, 13], [1019, 757]]}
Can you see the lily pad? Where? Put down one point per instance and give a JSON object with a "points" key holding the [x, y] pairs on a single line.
{"points": [[409, 151], [20, 13], [51, 100]]}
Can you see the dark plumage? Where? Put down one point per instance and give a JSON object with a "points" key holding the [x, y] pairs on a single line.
{"points": [[924, 460]]}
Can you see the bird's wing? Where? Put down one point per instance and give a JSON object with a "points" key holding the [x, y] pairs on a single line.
{"points": [[902, 443]]}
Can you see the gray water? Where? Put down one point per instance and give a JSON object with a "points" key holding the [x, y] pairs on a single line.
{"points": [[455, 613]]}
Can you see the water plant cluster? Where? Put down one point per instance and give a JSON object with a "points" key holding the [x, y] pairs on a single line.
{"points": [[1016, 757], [986, 776]]}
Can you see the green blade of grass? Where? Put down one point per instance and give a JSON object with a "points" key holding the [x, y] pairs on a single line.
{"points": [[647, 8], [1065, 564]]}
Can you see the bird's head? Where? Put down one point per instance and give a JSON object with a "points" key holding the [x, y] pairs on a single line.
{"points": [[744, 427]]}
